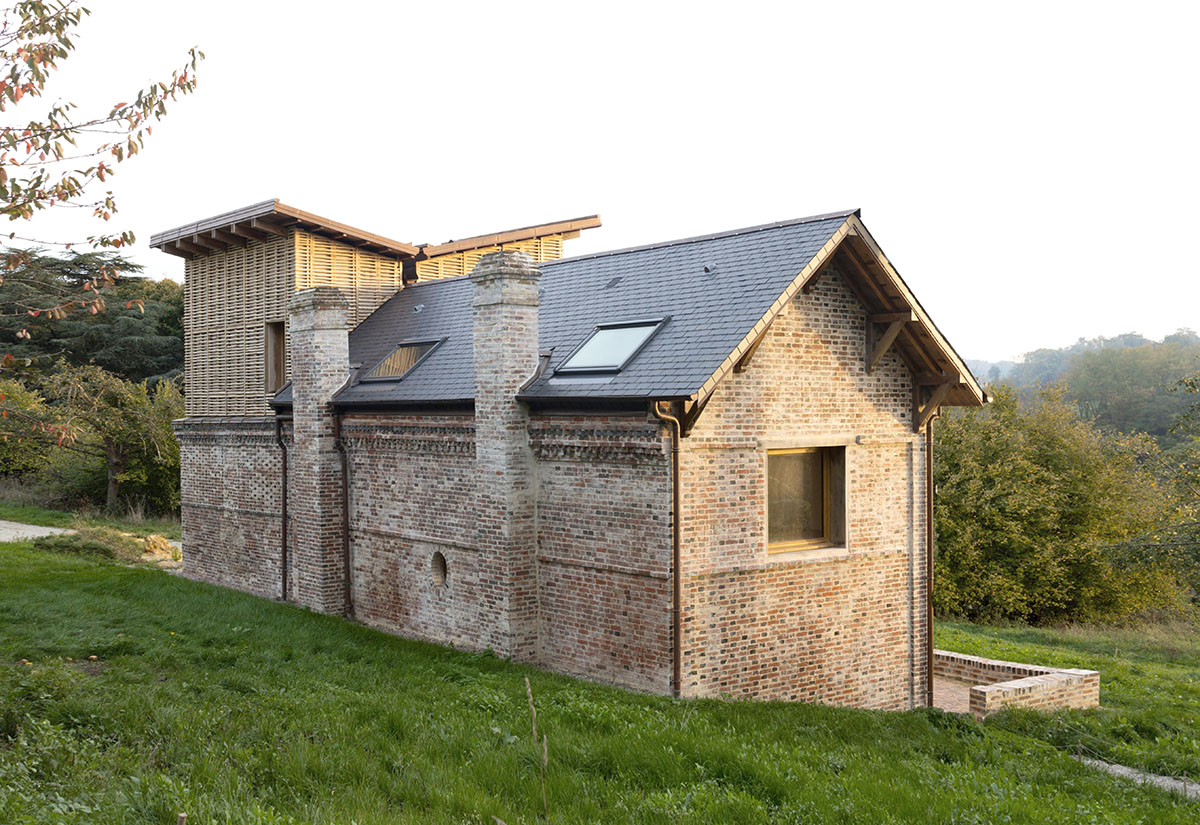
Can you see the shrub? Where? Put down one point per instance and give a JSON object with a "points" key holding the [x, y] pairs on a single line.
{"points": [[1034, 506]]}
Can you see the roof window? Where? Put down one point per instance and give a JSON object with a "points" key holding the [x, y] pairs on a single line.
{"points": [[402, 360], [611, 347]]}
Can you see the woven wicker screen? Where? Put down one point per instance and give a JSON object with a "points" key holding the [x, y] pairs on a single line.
{"points": [[229, 297], [548, 248], [366, 279]]}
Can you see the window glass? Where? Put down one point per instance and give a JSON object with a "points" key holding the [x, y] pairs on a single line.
{"points": [[610, 347], [796, 482], [402, 359]]}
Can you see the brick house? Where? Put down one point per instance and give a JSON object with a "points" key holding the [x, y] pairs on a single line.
{"points": [[699, 467]]}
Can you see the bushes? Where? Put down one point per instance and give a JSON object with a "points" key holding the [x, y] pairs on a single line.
{"points": [[1034, 507]]}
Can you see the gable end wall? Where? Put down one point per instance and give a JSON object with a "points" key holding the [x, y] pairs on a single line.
{"points": [[836, 626]]}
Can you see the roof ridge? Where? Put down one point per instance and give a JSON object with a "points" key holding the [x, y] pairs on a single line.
{"points": [[710, 237]]}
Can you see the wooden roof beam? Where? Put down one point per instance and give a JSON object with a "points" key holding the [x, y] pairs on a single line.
{"points": [[172, 249], [191, 248], [243, 230], [227, 238], [268, 227], [208, 243]]}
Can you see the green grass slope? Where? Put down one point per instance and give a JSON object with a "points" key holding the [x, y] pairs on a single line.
{"points": [[238, 710]]}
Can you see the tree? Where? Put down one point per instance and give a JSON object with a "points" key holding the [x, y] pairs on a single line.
{"points": [[1130, 389], [139, 335], [1036, 511], [55, 160], [121, 427]]}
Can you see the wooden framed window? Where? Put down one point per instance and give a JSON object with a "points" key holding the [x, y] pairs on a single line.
{"points": [[275, 356], [805, 498]]}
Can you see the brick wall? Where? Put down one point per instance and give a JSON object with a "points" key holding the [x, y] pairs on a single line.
{"points": [[997, 684], [604, 548], [841, 625], [230, 502]]}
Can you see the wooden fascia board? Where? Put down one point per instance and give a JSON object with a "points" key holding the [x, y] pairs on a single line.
{"points": [[811, 269], [860, 231], [334, 227], [569, 227]]}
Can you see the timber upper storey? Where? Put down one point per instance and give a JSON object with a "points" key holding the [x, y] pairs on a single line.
{"points": [[697, 308]]}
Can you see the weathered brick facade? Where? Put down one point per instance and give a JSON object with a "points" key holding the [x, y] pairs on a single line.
{"points": [[839, 625], [548, 537]]}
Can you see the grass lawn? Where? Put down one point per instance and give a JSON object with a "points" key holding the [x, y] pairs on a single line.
{"points": [[30, 514], [1149, 689], [238, 710]]}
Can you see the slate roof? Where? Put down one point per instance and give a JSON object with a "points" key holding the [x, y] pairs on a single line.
{"points": [[710, 313]]}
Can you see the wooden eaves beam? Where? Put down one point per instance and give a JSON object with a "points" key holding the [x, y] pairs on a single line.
{"points": [[191, 248], [268, 227], [227, 238], [243, 230], [208, 243], [171, 249]]}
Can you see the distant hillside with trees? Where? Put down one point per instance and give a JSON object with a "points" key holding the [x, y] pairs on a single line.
{"points": [[1075, 495], [1127, 383]]}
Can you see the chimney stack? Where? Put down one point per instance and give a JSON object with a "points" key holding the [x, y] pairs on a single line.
{"points": [[504, 311], [320, 349]]}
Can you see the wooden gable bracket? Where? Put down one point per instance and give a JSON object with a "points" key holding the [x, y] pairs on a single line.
{"points": [[171, 249], [691, 413], [923, 412], [878, 347]]}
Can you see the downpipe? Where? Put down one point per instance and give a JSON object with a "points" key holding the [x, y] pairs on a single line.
{"points": [[283, 510], [676, 533], [347, 565], [929, 535]]}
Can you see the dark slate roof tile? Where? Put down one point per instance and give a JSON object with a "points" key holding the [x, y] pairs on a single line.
{"points": [[710, 314]]}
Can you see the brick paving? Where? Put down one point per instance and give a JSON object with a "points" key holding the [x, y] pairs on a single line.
{"points": [[951, 696]]}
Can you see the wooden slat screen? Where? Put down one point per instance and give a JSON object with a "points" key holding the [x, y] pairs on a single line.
{"points": [[456, 264]]}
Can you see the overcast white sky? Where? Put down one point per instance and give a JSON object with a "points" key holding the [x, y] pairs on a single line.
{"points": [[1031, 168]]}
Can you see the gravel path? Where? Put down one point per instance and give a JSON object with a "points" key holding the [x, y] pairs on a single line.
{"points": [[14, 530]]}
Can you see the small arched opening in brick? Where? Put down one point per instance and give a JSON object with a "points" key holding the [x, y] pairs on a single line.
{"points": [[438, 565]]}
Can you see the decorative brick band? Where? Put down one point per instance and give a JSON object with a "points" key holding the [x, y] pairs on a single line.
{"points": [[604, 446], [1001, 684]]}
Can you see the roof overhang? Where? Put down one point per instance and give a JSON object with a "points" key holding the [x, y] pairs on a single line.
{"points": [[568, 228], [262, 221], [868, 273]]}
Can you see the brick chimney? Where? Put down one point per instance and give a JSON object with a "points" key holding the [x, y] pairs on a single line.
{"points": [[504, 311], [320, 352]]}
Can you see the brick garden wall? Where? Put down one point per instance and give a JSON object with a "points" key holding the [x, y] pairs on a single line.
{"points": [[842, 625], [997, 684]]}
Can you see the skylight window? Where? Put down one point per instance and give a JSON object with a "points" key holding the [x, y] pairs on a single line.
{"points": [[402, 360], [611, 347]]}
